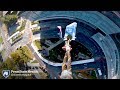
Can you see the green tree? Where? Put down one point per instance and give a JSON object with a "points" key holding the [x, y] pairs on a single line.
{"points": [[8, 19], [17, 60], [10, 64], [7, 65], [15, 56]]}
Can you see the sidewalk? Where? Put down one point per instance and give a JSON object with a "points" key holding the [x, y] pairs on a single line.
{"points": [[35, 50]]}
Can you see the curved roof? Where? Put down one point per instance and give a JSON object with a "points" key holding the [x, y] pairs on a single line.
{"points": [[97, 19]]}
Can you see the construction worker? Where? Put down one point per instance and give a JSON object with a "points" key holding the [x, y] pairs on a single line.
{"points": [[67, 46], [66, 66]]}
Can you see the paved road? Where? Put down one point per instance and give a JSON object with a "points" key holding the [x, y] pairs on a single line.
{"points": [[36, 56], [26, 37], [25, 40], [7, 45]]}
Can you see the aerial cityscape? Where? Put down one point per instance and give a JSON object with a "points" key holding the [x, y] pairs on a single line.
{"points": [[59, 44]]}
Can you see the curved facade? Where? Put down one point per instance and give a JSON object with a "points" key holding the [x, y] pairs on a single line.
{"points": [[102, 33]]}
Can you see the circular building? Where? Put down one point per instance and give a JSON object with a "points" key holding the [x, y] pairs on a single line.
{"points": [[96, 49]]}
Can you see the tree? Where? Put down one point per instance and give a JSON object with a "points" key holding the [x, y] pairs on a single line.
{"points": [[10, 64], [15, 56], [17, 60], [8, 19], [7, 65]]}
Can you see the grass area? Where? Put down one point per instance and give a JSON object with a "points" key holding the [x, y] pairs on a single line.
{"points": [[17, 60], [2, 52], [35, 61], [22, 53], [34, 22], [17, 38], [38, 44], [22, 26], [8, 19], [35, 30], [53, 56], [27, 52], [1, 40]]}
